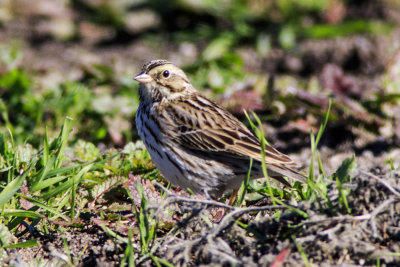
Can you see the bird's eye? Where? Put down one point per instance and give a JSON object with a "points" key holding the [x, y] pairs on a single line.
{"points": [[165, 74]]}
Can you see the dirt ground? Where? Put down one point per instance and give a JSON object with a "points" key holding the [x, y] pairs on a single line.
{"points": [[368, 236]]}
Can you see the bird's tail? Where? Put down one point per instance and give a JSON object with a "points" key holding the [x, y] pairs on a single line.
{"points": [[276, 171]]}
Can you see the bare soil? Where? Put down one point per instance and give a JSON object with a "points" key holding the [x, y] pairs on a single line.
{"points": [[369, 234]]}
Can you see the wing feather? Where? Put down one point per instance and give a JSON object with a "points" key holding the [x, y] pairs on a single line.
{"points": [[210, 128]]}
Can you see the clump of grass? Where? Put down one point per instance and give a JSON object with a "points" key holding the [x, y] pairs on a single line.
{"points": [[37, 187], [316, 187]]}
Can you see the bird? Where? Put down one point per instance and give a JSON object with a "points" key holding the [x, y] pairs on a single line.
{"points": [[196, 143]]}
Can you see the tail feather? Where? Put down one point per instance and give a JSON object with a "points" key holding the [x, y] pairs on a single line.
{"points": [[276, 171]]}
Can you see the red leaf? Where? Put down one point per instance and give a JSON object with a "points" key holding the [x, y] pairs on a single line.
{"points": [[280, 259]]}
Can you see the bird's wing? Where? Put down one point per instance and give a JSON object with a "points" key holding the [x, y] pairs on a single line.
{"points": [[201, 124]]}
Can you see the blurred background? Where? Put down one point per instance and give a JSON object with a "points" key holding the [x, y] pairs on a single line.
{"points": [[283, 59]]}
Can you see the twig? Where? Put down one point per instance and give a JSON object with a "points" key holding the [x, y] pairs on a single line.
{"points": [[344, 218], [227, 220], [186, 247], [388, 186], [377, 211], [366, 217], [230, 218], [222, 251], [205, 202], [172, 198], [211, 237], [166, 190]]}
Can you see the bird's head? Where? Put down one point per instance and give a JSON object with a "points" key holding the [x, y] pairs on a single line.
{"points": [[160, 79]]}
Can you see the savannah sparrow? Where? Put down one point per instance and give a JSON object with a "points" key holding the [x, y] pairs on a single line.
{"points": [[196, 143]]}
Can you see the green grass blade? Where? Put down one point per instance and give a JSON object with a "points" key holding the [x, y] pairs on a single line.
{"points": [[320, 167], [314, 145], [128, 255], [310, 181], [142, 220], [43, 206], [302, 252], [8, 192], [61, 141], [46, 148], [347, 166], [165, 263], [112, 234], [67, 169], [253, 127], [342, 195], [73, 195], [323, 125], [245, 183], [48, 182], [14, 160], [68, 184], [27, 244], [263, 163], [37, 183], [21, 213]]}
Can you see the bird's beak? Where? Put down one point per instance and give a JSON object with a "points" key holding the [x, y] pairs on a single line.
{"points": [[143, 78]]}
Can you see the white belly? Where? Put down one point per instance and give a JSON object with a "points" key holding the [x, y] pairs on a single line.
{"points": [[182, 167]]}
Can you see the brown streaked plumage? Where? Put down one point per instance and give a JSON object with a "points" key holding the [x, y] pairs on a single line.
{"points": [[196, 143]]}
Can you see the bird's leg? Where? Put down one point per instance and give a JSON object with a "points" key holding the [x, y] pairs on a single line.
{"points": [[233, 196]]}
